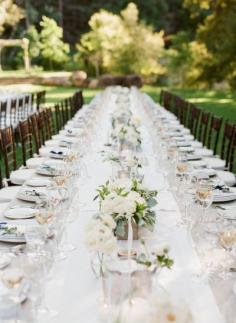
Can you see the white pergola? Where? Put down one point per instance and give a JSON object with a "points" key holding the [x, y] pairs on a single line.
{"points": [[23, 43]]}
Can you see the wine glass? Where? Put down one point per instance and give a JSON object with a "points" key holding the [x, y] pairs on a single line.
{"points": [[12, 278], [204, 194]]}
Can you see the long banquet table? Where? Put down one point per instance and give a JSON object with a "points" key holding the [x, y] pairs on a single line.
{"points": [[73, 291]]}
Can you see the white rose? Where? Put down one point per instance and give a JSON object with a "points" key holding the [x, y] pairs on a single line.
{"points": [[126, 206], [136, 197], [109, 245], [109, 221]]}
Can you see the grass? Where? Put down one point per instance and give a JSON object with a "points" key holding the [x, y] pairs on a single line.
{"points": [[220, 103]]}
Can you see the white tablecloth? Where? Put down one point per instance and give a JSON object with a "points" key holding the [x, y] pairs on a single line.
{"points": [[74, 292]]}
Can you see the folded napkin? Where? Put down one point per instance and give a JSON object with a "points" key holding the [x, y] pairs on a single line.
{"points": [[56, 152]]}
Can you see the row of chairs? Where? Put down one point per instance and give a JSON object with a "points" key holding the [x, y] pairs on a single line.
{"points": [[32, 133], [214, 132], [12, 111]]}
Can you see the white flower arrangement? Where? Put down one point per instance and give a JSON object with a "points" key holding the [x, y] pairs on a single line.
{"points": [[99, 234], [127, 198]]}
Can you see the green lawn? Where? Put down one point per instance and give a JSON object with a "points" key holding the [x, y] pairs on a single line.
{"points": [[221, 103]]}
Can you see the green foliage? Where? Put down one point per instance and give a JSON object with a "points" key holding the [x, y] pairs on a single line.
{"points": [[10, 14], [47, 47], [208, 57], [34, 45], [52, 46], [122, 44], [187, 61]]}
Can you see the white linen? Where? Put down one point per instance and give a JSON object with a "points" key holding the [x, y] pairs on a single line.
{"points": [[75, 293]]}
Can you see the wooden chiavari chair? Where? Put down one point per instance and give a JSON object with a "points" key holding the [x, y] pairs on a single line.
{"points": [[183, 106], [35, 131], [167, 100], [64, 113], [232, 154], [8, 148], [70, 103], [42, 127], [193, 120], [79, 100], [58, 117], [214, 132], [203, 128], [26, 140], [3, 115], [227, 142], [40, 99], [48, 123]]}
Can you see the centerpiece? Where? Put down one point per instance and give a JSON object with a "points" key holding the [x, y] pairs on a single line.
{"points": [[129, 202]]}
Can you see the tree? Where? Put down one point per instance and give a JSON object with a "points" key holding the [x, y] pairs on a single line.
{"points": [[10, 14], [53, 49], [122, 44]]}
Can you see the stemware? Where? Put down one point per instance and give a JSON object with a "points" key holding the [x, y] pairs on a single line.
{"points": [[204, 194], [12, 278]]}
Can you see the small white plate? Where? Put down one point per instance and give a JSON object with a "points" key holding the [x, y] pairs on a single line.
{"points": [[12, 238], [38, 182], [223, 197], [4, 261], [20, 213]]}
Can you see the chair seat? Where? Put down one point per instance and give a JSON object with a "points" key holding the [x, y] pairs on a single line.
{"points": [[215, 163], [35, 162], [8, 193], [18, 177], [227, 177]]}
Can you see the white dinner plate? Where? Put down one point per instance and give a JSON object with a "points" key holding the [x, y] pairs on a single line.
{"points": [[20, 213], [38, 182]]}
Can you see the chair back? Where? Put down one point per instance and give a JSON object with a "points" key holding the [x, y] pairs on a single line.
{"points": [[26, 140], [214, 132], [8, 148]]}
